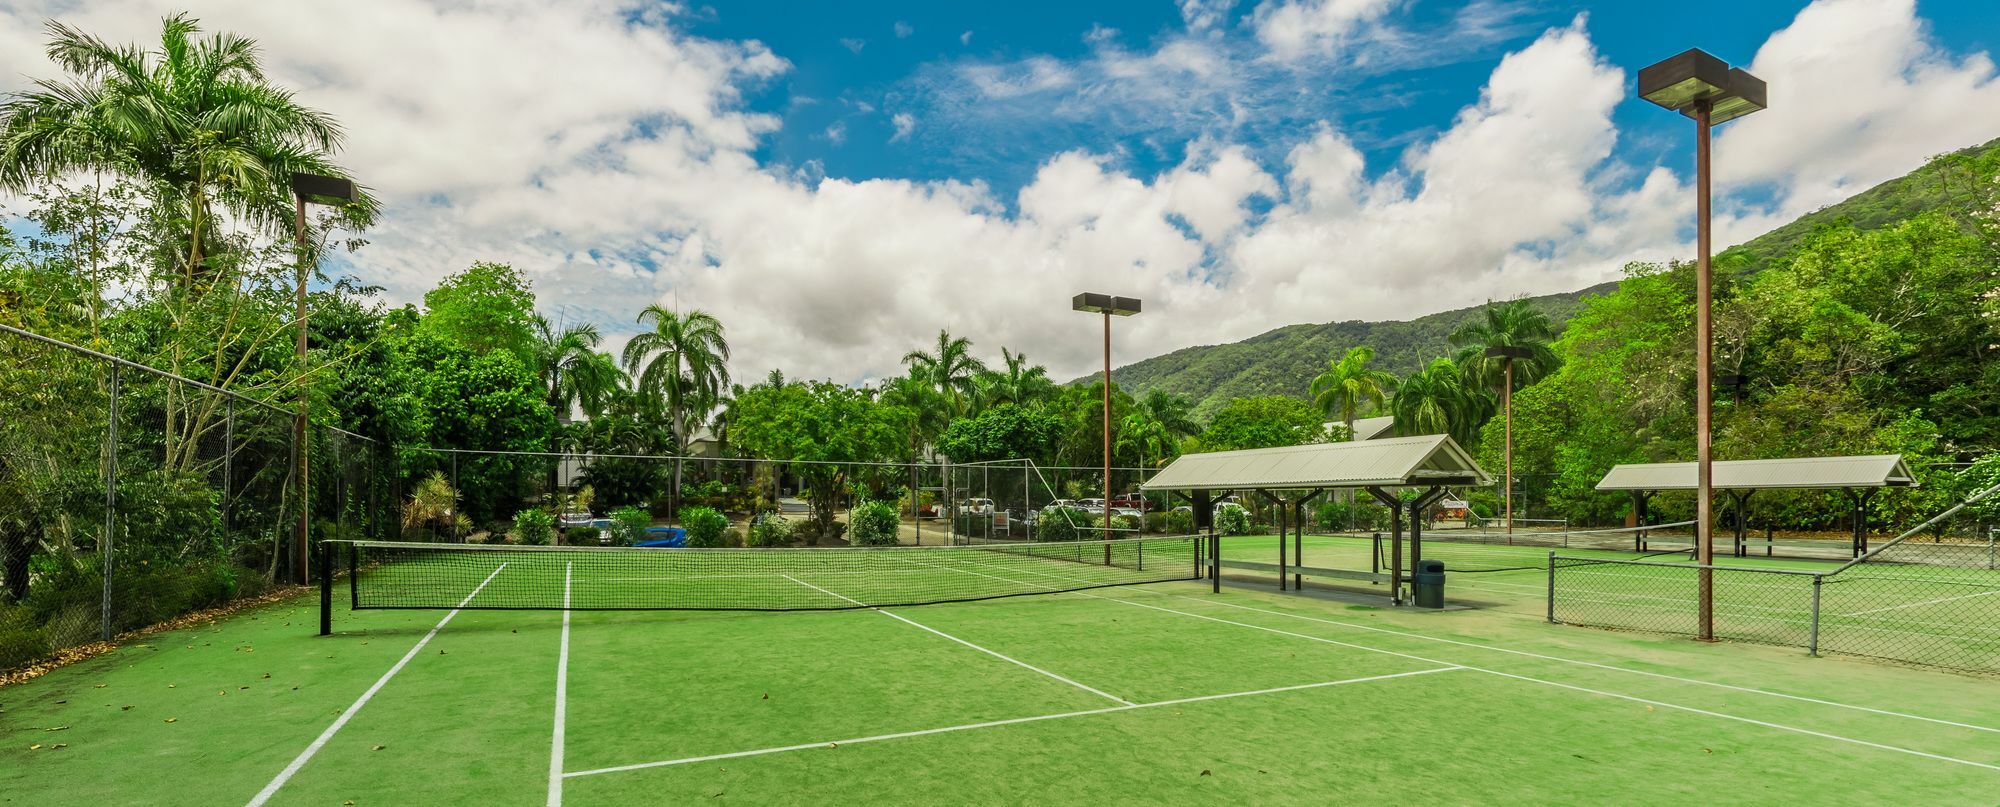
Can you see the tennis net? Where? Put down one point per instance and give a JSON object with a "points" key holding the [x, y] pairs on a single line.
{"points": [[386, 575], [1482, 551]]}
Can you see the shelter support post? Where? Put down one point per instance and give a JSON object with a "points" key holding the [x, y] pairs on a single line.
{"points": [[1740, 510], [1281, 533], [1395, 506], [1860, 500], [1299, 536]]}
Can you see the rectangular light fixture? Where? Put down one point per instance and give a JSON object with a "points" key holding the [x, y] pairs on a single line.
{"points": [[1692, 76], [1095, 303], [325, 190]]}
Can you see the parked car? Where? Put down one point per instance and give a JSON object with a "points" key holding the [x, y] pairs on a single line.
{"points": [[1092, 505], [568, 520], [978, 507], [1132, 501]]}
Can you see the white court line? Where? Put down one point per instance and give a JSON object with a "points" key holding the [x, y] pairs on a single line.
{"points": [[320, 741], [1925, 602], [1560, 659], [1002, 657], [1008, 722], [1570, 661], [562, 698]]}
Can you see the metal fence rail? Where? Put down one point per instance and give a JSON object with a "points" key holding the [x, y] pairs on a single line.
{"points": [[1931, 597]]}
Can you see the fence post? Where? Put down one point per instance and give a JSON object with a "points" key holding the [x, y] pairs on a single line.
{"points": [[228, 462], [325, 587], [1552, 588], [110, 497], [1812, 641], [1991, 532]]}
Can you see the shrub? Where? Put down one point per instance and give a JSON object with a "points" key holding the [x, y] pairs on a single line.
{"points": [[704, 525], [770, 529], [534, 527], [582, 536], [874, 523], [1232, 521], [1180, 522], [1061, 524], [1156, 522], [628, 525]]}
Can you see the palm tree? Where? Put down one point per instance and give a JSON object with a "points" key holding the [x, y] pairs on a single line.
{"points": [[195, 120], [1514, 323], [1175, 413], [684, 360], [929, 418], [950, 369], [1347, 384], [1019, 384], [1436, 400], [1142, 432], [573, 372]]}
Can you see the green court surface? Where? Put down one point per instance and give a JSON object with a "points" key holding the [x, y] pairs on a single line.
{"points": [[1144, 694]]}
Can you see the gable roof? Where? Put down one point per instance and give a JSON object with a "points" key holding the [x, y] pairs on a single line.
{"points": [[1367, 428], [1872, 471], [1393, 462]]}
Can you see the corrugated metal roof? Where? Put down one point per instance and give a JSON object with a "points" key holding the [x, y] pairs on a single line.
{"points": [[1872, 471], [1367, 428], [1394, 462]]}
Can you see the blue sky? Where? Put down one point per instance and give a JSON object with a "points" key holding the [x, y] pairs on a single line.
{"points": [[839, 181], [834, 84]]}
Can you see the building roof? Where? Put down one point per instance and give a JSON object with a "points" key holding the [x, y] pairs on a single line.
{"points": [[1392, 462], [1367, 428], [1873, 471]]}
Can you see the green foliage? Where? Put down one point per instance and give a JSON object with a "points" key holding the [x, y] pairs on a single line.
{"points": [[1061, 524], [770, 529], [1437, 400], [1982, 475], [1232, 521], [1003, 432], [1263, 422], [534, 527], [1180, 522], [488, 307], [874, 523], [705, 526], [582, 536], [819, 422], [628, 526]]}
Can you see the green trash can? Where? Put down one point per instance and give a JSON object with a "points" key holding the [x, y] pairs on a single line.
{"points": [[1429, 583]]}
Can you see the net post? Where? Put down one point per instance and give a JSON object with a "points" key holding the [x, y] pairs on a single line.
{"points": [[325, 588], [1375, 553], [1812, 639], [1214, 561], [353, 577], [105, 551], [1552, 588]]}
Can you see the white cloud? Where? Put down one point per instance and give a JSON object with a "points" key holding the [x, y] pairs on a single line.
{"points": [[965, 38], [1292, 29], [1859, 94], [615, 164], [836, 132], [904, 30], [853, 44], [1204, 14]]}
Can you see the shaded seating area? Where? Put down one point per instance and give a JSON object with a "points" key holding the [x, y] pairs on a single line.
{"points": [[1859, 477], [1294, 476]]}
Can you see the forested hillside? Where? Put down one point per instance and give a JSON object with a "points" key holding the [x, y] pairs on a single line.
{"points": [[1281, 361]]}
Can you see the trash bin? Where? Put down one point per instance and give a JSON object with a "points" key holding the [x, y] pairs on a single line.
{"points": [[1429, 583]]}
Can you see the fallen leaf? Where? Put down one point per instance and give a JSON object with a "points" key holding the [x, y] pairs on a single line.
{"points": [[767, 696], [267, 675], [56, 728], [173, 719], [58, 745], [124, 708], [100, 686], [245, 686], [1207, 772], [35, 747], [171, 686], [380, 747], [1707, 751], [440, 652], [349, 803]]}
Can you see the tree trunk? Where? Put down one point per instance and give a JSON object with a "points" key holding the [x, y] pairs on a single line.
{"points": [[16, 544]]}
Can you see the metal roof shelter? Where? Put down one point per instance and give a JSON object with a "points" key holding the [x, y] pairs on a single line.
{"points": [[1428, 463], [1367, 428], [1860, 477]]}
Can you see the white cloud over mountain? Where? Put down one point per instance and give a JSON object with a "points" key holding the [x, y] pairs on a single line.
{"points": [[608, 154]]}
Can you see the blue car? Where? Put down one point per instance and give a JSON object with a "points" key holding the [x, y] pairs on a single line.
{"points": [[664, 538]]}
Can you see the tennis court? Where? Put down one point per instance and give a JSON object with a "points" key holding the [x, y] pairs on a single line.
{"points": [[1140, 693]]}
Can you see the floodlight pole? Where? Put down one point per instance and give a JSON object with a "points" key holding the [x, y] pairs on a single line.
{"points": [[301, 529], [1711, 92], [1105, 517], [1704, 396], [1507, 402]]}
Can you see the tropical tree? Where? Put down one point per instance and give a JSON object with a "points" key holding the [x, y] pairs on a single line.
{"points": [[195, 121], [1265, 421], [950, 369], [1514, 323], [1347, 384], [1020, 383], [684, 360], [1174, 413], [1436, 400], [1144, 434], [573, 371]]}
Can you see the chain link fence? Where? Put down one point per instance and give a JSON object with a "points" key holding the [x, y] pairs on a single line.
{"points": [[130, 496], [1930, 596]]}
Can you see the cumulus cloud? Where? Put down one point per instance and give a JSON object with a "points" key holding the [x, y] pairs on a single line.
{"points": [[616, 164], [904, 29], [1858, 93], [1296, 28]]}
